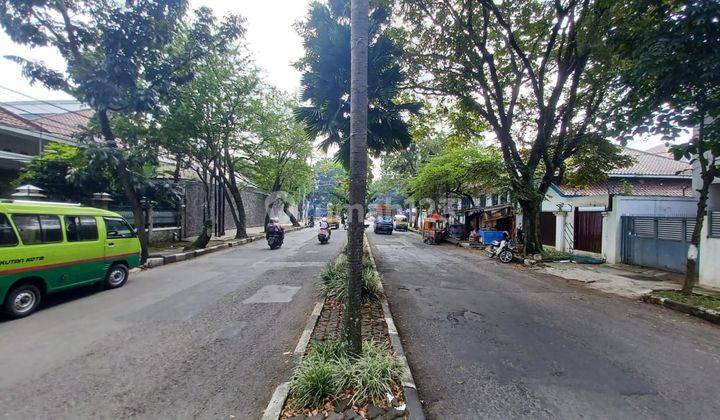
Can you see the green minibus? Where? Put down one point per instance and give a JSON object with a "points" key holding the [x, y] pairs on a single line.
{"points": [[49, 247]]}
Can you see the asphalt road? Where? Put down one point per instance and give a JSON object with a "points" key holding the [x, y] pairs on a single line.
{"points": [[486, 340], [204, 338]]}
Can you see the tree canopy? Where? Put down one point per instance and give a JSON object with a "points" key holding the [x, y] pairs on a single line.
{"points": [[326, 80]]}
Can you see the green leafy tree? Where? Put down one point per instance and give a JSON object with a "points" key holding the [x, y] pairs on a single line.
{"points": [[326, 80], [330, 184], [120, 57], [670, 55], [209, 122], [62, 173], [279, 163], [467, 171], [537, 72]]}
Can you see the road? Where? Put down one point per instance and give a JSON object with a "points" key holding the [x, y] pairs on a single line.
{"points": [[487, 340], [204, 338]]}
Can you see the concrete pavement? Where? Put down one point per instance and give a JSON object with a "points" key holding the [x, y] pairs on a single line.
{"points": [[201, 338], [487, 340]]}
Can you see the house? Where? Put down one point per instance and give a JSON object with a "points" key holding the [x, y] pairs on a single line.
{"points": [[641, 214], [22, 138]]}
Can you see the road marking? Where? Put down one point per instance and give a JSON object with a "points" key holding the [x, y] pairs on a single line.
{"points": [[273, 293]]}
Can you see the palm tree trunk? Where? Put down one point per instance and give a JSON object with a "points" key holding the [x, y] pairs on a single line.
{"points": [[358, 170]]}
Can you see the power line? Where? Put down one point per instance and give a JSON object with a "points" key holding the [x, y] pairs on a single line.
{"points": [[42, 101]]}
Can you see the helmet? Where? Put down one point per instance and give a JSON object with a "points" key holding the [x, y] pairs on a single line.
{"points": [[274, 220], [324, 219]]}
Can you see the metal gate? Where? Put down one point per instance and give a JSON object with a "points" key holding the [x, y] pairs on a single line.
{"points": [[547, 228], [588, 231], [659, 242]]}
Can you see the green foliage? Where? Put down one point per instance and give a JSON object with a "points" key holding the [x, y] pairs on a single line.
{"points": [[330, 182], [326, 80], [319, 375], [468, 170], [328, 370], [707, 302], [371, 374], [553, 255], [333, 280], [592, 162], [64, 173]]}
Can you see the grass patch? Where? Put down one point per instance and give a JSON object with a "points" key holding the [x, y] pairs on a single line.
{"points": [[553, 255], [333, 280], [328, 371], [702, 301]]}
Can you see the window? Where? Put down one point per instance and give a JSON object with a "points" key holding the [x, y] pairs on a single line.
{"points": [[7, 235], [38, 229], [81, 228], [118, 228]]}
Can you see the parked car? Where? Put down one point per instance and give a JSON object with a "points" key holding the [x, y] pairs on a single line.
{"points": [[401, 222], [383, 224], [49, 247]]}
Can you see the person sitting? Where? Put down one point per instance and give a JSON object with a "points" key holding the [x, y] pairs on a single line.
{"points": [[274, 228], [474, 237]]}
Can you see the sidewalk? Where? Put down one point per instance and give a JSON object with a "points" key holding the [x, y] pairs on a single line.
{"points": [[169, 248], [621, 279]]}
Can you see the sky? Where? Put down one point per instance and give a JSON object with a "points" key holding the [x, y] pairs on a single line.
{"points": [[271, 38]]}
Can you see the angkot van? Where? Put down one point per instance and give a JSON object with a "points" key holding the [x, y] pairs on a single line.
{"points": [[49, 247]]}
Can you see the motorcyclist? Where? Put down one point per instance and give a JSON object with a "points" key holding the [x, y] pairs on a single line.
{"points": [[275, 228], [325, 225]]}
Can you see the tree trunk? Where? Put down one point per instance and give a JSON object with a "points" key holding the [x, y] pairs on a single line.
{"points": [[293, 219], [240, 207], [531, 227], [358, 171], [123, 176]]}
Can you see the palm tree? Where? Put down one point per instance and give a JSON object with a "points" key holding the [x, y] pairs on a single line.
{"points": [[358, 171], [326, 81]]}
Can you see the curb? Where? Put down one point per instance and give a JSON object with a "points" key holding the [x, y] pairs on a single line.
{"points": [[412, 398], [153, 262], [706, 314]]}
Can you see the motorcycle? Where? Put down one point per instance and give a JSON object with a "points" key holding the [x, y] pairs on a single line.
{"points": [[274, 240], [324, 235], [503, 250]]}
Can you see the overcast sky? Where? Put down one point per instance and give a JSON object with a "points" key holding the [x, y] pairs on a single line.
{"points": [[271, 38]]}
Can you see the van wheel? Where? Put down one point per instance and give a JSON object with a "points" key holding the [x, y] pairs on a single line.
{"points": [[116, 276], [22, 300]]}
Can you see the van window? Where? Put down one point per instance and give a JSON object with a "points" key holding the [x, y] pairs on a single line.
{"points": [[81, 228], [38, 229], [118, 228], [7, 235]]}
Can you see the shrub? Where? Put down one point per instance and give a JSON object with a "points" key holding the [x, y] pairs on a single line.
{"points": [[318, 376], [372, 373], [333, 280], [328, 370]]}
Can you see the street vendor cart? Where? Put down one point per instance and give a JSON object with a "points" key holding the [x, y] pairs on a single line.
{"points": [[433, 229]]}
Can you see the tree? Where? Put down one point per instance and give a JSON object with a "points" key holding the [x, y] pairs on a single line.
{"points": [[466, 171], [670, 53], [329, 182], [120, 57], [358, 172], [209, 121], [326, 80], [279, 164], [537, 72]]}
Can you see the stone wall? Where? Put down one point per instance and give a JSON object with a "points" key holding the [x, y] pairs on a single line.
{"points": [[253, 201]]}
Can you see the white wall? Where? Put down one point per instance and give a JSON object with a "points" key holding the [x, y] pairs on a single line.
{"points": [[709, 261], [639, 206]]}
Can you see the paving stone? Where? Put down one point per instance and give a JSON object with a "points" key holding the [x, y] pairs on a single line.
{"points": [[374, 411], [335, 416]]}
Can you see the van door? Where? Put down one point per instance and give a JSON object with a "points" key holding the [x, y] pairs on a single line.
{"points": [[121, 241], [83, 242]]}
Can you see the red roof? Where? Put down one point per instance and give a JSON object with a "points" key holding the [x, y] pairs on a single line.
{"points": [[16, 121], [66, 124]]}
